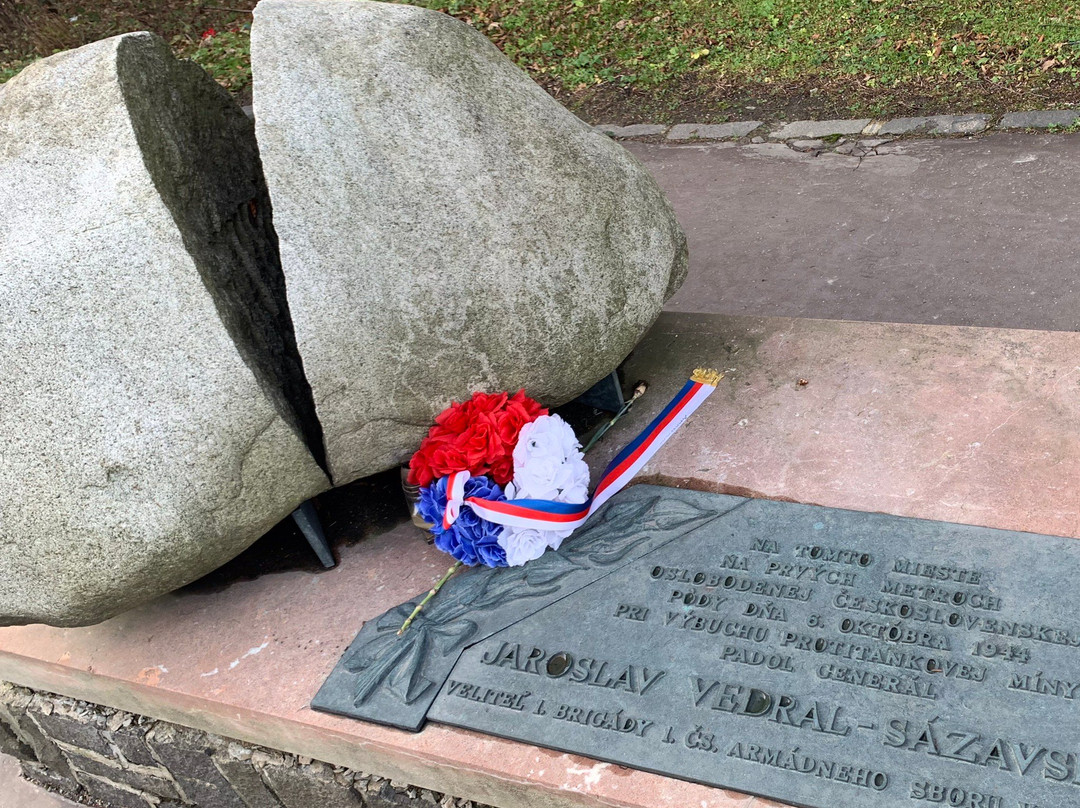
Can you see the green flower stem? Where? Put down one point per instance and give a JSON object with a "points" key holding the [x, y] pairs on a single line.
{"points": [[434, 591]]}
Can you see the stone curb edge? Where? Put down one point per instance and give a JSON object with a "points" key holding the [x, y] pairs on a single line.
{"points": [[931, 125]]}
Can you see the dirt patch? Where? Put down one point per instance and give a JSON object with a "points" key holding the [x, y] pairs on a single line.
{"points": [[43, 27], [696, 99]]}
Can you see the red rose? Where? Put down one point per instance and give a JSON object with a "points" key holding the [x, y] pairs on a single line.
{"points": [[420, 470], [515, 415], [488, 402], [445, 458], [453, 420], [508, 428], [532, 408], [477, 436], [502, 470]]}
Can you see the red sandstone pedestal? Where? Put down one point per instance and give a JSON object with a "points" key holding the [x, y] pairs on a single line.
{"points": [[969, 425]]}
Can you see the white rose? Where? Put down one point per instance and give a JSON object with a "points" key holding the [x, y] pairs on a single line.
{"points": [[522, 544], [548, 463], [578, 489], [526, 543], [555, 538]]}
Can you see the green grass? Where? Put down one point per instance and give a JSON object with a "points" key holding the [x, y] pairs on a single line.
{"points": [[9, 69], [860, 56], [651, 42], [226, 55]]}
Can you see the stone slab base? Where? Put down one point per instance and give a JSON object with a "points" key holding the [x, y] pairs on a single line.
{"points": [[973, 425], [969, 425]]}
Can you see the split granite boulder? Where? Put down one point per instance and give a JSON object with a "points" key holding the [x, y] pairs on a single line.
{"points": [[153, 414], [445, 225]]}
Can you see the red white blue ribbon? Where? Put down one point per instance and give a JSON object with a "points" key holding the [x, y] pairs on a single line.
{"points": [[455, 497], [544, 514]]}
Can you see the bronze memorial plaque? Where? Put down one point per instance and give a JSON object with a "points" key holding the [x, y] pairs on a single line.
{"points": [[816, 656]]}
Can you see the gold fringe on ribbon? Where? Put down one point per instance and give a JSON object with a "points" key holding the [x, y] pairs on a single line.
{"points": [[707, 376]]}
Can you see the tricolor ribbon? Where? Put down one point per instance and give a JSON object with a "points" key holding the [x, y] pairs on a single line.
{"points": [[544, 514], [455, 497]]}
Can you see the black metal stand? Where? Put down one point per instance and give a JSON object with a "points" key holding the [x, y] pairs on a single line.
{"points": [[605, 395], [307, 520]]}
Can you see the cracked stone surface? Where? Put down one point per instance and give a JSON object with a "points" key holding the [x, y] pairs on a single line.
{"points": [[445, 225], [153, 418]]}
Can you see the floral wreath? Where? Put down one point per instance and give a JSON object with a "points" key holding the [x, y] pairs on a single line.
{"points": [[512, 449], [502, 480]]}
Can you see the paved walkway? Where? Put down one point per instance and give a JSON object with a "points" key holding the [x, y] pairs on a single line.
{"points": [[953, 231]]}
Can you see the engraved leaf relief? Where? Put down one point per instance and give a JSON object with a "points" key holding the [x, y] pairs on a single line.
{"points": [[396, 663]]}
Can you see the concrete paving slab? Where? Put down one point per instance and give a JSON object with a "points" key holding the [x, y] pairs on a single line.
{"points": [[1041, 119], [634, 130], [807, 145], [960, 232], [815, 129], [935, 125], [719, 131]]}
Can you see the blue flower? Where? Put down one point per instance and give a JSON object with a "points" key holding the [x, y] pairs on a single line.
{"points": [[471, 540]]}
